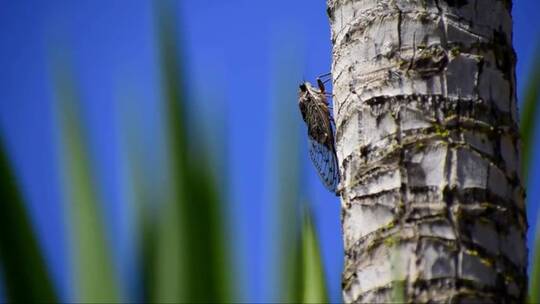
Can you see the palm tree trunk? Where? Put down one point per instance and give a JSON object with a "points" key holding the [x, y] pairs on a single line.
{"points": [[425, 107]]}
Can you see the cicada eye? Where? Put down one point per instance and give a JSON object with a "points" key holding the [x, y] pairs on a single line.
{"points": [[303, 87]]}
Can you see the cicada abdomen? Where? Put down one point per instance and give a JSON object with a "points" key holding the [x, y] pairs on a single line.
{"points": [[316, 114]]}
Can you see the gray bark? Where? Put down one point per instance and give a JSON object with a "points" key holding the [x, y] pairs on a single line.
{"points": [[427, 138]]}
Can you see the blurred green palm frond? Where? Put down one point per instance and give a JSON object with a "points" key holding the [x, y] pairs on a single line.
{"points": [[313, 279], [299, 275], [92, 262], [284, 265], [529, 117], [25, 274], [529, 114], [192, 258], [182, 233]]}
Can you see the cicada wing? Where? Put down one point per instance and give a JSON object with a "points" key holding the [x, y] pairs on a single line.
{"points": [[325, 161]]}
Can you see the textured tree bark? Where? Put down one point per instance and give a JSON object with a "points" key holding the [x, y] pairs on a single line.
{"points": [[425, 108]]}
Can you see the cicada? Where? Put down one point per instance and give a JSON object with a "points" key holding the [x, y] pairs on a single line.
{"points": [[315, 111]]}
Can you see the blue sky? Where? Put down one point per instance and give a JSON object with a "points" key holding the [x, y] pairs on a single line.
{"points": [[232, 50]]}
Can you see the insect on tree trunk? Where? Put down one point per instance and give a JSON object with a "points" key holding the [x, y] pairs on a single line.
{"points": [[428, 146]]}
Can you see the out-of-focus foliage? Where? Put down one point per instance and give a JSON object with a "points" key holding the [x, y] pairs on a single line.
{"points": [[94, 275], [313, 278], [192, 259], [299, 277], [529, 117], [25, 274], [181, 227], [285, 224]]}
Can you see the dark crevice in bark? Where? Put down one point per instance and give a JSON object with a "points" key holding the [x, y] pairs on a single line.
{"points": [[399, 21], [464, 112], [457, 3], [364, 175], [439, 295]]}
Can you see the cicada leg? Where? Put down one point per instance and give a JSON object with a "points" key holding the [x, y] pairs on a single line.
{"points": [[321, 82]]}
